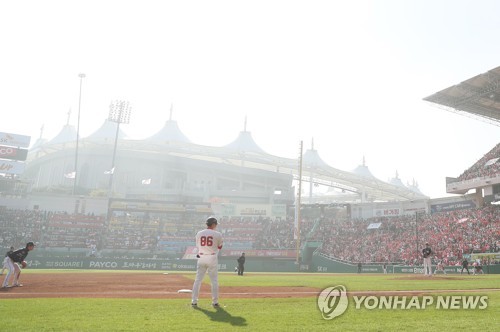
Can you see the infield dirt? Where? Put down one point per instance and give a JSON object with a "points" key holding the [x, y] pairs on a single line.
{"points": [[157, 285], [134, 285]]}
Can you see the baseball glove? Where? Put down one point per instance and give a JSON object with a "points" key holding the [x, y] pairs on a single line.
{"points": [[23, 264]]}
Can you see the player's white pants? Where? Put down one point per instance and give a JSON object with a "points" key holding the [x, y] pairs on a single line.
{"points": [[206, 263], [4, 264], [13, 270], [427, 266]]}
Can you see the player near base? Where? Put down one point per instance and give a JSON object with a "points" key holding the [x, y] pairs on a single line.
{"points": [[15, 259], [440, 268], [208, 242], [5, 265], [477, 268]]}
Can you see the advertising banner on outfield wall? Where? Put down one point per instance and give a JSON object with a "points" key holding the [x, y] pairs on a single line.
{"points": [[225, 264], [324, 264], [448, 269]]}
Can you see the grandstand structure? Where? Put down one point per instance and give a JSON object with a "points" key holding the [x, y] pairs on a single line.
{"points": [[477, 97], [168, 166], [165, 185]]}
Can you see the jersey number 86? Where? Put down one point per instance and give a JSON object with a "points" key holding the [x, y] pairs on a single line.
{"points": [[206, 241]]}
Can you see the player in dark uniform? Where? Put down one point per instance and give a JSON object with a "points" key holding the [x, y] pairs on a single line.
{"points": [[465, 265], [426, 254], [14, 259], [241, 264]]}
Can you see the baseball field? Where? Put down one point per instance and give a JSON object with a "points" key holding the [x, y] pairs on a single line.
{"points": [[82, 300]]}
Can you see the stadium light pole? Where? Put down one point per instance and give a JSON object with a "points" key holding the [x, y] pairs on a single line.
{"points": [[298, 206], [119, 112], [417, 214], [82, 76]]}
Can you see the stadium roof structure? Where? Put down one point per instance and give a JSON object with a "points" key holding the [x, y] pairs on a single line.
{"points": [[169, 133], [478, 97], [362, 170], [67, 134], [106, 132], [243, 151], [244, 143]]}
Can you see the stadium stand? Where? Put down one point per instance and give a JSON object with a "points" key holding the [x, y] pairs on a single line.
{"points": [[72, 231], [487, 166], [451, 234], [20, 226]]}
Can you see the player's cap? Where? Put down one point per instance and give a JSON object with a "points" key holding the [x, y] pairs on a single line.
{"points": [[426, 243], [30, 244], [211, 221]]}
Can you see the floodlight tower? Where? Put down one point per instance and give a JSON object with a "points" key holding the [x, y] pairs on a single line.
{"points": [[119, 112]]}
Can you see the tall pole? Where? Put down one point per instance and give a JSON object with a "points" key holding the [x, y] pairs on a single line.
{"points": [[297, 205], [416, 233], [82, 76], [119, 112]]}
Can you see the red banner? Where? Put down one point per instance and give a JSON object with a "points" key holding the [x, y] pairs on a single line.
{"points": [[8, 152], [190, 253]]}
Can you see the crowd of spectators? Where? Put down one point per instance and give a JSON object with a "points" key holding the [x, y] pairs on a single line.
{"points": [[398, 239], [487, 166], [401, 239], [280, 234], [17, 227], [242, 232], [62, 230]]}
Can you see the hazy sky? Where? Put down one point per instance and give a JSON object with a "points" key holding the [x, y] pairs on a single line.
{"points": [[349, 74]]}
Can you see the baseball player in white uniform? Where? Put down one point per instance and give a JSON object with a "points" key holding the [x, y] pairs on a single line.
{"points": [[208, 242]]}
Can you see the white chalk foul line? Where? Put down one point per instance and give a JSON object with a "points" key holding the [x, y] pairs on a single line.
{"points": [[380, 292]]}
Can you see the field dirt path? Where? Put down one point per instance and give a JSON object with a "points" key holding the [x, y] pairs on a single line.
{"points": [[133, 285], [163, 286]]}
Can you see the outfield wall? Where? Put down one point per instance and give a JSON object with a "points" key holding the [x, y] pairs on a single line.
{"points": [[323, 264], [319, 264], [225, 264]]}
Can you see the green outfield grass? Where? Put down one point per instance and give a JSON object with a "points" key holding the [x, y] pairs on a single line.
{"points": [[363, 282], [259, 314]]}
